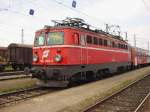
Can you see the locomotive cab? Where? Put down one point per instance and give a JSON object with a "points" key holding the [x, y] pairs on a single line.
{"points": [[56, 47], [56, 52], [45, 51]]}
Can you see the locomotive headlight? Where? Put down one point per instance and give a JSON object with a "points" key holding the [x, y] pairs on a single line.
{"points": [[35, 58], [57, 58]]}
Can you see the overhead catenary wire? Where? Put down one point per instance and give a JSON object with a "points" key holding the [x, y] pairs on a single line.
{"points": [[60, 3], [65, 6], [45, 6], [9, 10], [76, 10], [14, 3]]}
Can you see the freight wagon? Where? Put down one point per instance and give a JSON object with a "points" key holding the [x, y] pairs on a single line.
{"points": [[3, 58], [20, 56]]}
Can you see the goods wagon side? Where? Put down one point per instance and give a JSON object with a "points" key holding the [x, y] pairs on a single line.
{"points": [[3, 57], [20, 56]]}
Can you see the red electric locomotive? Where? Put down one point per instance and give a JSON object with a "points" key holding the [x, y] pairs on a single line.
{"points": [[71, 51]]}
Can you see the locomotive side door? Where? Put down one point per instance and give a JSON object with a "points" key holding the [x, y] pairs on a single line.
{"points": [[83, 54]]}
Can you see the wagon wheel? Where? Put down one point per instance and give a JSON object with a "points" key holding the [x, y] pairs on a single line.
{"points": [[1, 68]]}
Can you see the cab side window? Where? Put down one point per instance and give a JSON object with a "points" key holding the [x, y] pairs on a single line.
{"points": [[76, 38], [100, 41], [105, 42], [89, 39], [82, 39], [95, 40]]}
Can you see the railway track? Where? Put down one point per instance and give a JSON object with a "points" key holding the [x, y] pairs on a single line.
{"points": [[24, 94], [128, 99], [4, 78], [11, 73], [144, 106]]}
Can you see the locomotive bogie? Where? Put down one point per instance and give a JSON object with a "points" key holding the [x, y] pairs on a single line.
{"points": [[66, 74]]}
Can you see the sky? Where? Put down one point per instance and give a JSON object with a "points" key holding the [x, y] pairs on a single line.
{"points": [[133, 16]]}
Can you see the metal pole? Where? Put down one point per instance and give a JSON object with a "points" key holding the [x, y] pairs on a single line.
{"points": [[126, 36], [148, 50], [107, 28], [134, 40], [148, 45], [22, 36], [119, 33]]}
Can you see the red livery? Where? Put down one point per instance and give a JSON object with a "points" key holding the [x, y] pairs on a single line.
{"points": [[139, 57], [71, 51]]}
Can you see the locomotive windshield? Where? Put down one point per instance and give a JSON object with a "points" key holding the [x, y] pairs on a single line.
{"points": [[55, 38], [39, 41]]}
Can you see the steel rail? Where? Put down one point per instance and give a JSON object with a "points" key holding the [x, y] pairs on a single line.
{"points": [[112, 95], [14, 92], [11, 73], [22, 95], [142, 103], [4, 78]]}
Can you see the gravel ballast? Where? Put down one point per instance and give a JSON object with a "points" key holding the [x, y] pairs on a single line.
{"points": [[77, 98]]}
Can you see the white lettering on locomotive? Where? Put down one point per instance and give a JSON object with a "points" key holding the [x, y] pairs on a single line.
{"points": [[45, 54]]}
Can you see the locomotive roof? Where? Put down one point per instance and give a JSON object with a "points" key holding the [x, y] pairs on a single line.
{"points": [[80, 24], [85, 30], [19, 45]]}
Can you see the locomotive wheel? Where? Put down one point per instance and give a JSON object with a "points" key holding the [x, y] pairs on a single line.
{"points": [[90, 76], [21, 67], [100, 74], [14, 67]]}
